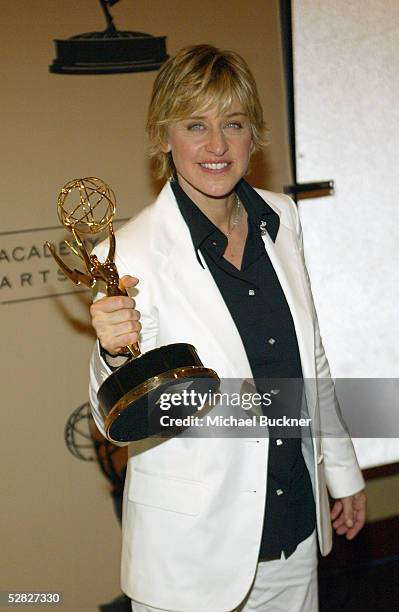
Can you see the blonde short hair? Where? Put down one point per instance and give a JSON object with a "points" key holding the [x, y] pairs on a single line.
{"points": [[198, 78]]}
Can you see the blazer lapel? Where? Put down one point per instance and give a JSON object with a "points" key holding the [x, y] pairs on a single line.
{"points": [[285, 259], [196, 287]]}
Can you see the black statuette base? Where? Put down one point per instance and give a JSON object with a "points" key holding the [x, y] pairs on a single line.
{"points": [[109, 52], [130, 397]]}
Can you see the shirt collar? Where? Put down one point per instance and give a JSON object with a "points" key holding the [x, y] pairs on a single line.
{"points": [[260, 214]]}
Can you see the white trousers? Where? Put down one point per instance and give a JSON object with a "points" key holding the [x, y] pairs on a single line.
{"points": [[283, 585]]}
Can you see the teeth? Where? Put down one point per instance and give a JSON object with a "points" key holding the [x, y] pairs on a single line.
{"points": [[218, 166]]}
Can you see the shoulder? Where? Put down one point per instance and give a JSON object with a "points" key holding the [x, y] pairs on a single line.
{"points": [[137, 228], [146, 236], [132, 236]]}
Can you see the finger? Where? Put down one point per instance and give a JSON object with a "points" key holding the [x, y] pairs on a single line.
{"points": [[359, 521], [121, 342], [348, 511], [359, 524], [128, 281], [136, 315], [339, 521], [111, 304], [114, 344], [104, 323], [351, 533], [341, 530], [127, 327], [108, 319], [336, 510], [110, 334]]}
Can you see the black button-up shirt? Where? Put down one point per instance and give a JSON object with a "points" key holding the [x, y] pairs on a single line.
{"points": [[260, 311]]}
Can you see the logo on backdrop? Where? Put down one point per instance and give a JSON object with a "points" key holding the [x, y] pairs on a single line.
{"points": [[27, 269], [109, 51]]}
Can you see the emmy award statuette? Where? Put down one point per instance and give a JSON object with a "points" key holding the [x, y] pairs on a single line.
{"points": [[129, 397]]}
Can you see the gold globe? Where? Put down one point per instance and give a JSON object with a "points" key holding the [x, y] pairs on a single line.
{"points": [[86, 205]]}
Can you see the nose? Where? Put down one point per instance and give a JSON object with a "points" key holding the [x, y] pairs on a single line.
{"points": [[217, 142]]}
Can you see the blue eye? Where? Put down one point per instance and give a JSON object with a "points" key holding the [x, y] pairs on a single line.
{"points": [[235, 125], [195, 127]]}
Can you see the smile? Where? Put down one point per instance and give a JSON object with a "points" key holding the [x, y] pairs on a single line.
{"points": [[216, 166]]}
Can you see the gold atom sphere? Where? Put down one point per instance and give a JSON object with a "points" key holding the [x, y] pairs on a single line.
{"points": [[86, 205]]}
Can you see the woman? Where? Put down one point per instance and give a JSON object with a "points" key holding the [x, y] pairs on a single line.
{"points": [[223, 524]]}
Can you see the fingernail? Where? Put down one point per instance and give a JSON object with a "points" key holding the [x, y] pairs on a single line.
{"points": [[349, 523]]}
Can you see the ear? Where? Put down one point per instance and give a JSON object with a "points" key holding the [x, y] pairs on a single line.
{"points": [[165, 147], [163, 137]]}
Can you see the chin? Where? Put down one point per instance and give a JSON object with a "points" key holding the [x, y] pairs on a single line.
{"points": [[218, 189], [211, 187]]}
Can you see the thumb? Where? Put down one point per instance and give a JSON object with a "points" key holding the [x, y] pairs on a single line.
{"points": [[348, 511], [128, 281]]}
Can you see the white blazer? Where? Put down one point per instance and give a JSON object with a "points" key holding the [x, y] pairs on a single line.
{"points": [[193, 508]]}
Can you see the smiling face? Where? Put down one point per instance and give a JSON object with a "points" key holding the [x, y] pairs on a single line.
{"points": [[210, 151]]}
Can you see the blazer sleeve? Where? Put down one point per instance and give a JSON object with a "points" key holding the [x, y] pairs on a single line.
{"points": [[341, 468], [99, 369]]}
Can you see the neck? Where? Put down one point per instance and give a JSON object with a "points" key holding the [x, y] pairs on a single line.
{"points": [[217, 209]]}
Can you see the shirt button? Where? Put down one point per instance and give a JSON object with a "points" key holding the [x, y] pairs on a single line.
{"points": [[214, 243], [279, 442], [279, 491], [251, 291], [271, 341]]}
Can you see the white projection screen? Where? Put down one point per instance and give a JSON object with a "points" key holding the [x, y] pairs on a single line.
{"points": [[346, 82]]}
